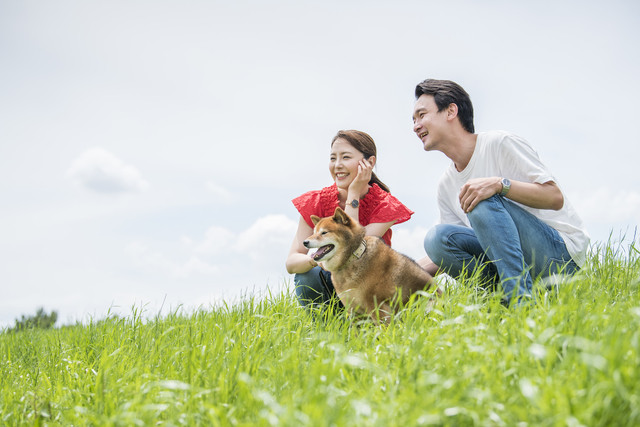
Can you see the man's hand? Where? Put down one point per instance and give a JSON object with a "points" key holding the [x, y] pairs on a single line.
{"points": [[477, 190], [532, 194]]}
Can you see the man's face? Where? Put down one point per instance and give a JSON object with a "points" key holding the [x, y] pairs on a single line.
{"points": [[428, 122]]}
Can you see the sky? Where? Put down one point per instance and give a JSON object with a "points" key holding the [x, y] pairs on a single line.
{"points": [[149, 150]]}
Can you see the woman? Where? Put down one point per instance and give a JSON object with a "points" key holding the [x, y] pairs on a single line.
{"points": [[360, 193]]}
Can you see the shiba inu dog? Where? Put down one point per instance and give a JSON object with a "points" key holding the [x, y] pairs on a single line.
{"points": [[369, 277]]}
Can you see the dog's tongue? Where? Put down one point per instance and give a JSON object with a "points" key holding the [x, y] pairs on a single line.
{"points": [[322, 252]]}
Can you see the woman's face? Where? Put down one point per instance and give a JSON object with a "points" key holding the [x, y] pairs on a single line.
{"points": [[343, 163]]}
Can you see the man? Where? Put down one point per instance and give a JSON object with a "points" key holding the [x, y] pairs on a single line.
{"points": [[500, 207]]}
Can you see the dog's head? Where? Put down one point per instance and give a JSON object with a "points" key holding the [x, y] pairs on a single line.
{"points": [[333, 235]]}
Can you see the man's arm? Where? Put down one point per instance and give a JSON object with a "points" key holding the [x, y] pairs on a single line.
{"points": [[534, 195], [428, 265]]}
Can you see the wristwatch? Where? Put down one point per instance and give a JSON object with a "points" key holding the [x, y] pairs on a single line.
{"points": [[355, 203], [506, 186]]}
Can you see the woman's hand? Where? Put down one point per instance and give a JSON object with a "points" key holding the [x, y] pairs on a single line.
{"points": [[360, 184], [298, 260]]}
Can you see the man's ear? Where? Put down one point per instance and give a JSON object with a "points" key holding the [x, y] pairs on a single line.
{"points": [[315, 219], [452, 111]]}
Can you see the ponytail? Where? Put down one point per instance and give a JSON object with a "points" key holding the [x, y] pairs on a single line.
{"points": [[375, 180]]}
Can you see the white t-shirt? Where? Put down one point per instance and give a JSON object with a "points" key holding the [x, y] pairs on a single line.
{"points": [[504, 154]]}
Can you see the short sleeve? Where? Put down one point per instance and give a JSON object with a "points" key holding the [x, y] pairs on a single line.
{"points": [[515, 158], [379, 206], [307, 204], [321, 203]]}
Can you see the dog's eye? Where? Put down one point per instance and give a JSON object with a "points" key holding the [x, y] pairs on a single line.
{"points": [[324, 232]]}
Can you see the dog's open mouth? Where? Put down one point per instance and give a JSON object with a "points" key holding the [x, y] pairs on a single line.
{"points": [[320, 253]]}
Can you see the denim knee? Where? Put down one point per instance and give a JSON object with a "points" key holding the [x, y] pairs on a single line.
{"points": [[483, 210], [306, 287], [313, 287], [434, 244]]}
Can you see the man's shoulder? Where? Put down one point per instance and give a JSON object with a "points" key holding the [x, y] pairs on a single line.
{"points": [[501, 140], [496, 136]]}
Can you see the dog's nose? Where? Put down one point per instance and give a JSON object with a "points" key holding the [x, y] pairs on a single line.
{"points": [[306, 243]]}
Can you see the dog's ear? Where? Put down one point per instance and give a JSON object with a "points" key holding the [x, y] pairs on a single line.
{"points": [[341, 217], [315, 219]]}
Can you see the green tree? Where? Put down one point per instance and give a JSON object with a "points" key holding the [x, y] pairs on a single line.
{"points": [[40, 320]]}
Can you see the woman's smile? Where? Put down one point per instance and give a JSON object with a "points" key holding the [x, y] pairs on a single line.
{"points": [[343, 163]]}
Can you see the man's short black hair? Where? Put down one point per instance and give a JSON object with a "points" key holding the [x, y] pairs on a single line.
{"points": [[446, 92]]}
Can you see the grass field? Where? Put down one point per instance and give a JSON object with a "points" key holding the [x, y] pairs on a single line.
{"points": [[571, 359]]}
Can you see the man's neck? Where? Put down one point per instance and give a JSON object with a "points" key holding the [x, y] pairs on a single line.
{"points": [[460, 149]]}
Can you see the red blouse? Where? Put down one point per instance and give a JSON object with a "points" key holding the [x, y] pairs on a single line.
{"points": [[377, 206]]}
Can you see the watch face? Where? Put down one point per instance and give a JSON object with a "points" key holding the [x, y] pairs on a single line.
{"points": [[506, 186], [355, 203]]}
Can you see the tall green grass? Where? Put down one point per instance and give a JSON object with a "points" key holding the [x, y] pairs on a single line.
{"points": [[571, 359]]}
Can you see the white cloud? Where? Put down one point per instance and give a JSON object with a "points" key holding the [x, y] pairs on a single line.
{"points": [[102, 172], [262, 248], [267, 235], [605, 205], [216, 240]]}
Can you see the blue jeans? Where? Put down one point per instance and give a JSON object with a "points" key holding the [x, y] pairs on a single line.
{"points": [[510, 243], [315, 288]]}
